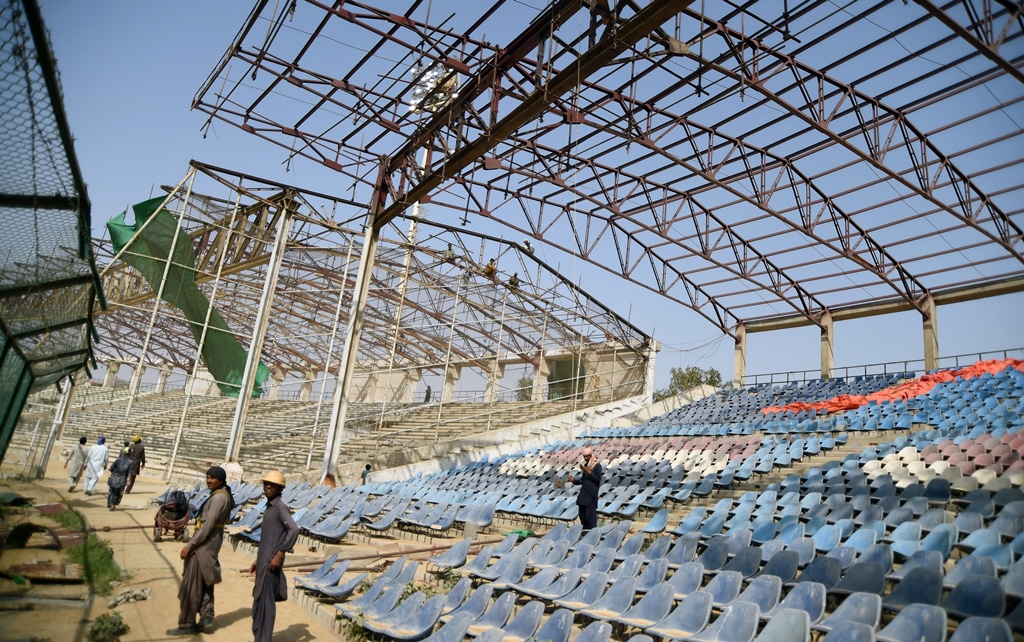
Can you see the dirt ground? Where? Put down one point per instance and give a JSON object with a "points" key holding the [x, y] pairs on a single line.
{"points": [[151, 565]]}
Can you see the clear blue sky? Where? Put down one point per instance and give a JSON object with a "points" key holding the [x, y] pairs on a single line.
{"points": [[129, 70]]}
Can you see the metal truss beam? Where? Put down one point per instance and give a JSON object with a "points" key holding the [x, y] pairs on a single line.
{"points": [[883, 131], [624, 36], [761, 175], [982, 32]]}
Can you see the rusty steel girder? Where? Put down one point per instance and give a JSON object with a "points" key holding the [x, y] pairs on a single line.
{"points": [[747, 161]]}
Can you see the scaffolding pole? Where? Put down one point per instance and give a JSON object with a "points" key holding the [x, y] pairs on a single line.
{"points": [[190, 381], [252, 361], [137, 373]]}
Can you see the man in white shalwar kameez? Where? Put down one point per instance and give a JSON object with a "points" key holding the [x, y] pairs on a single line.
{"points": [[95, 464]]}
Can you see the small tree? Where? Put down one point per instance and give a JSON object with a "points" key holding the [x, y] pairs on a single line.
{"points": [[683, 379], [524, 389]]}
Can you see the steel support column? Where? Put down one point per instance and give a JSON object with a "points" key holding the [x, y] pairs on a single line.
{"points": [[360, 292], [252, 361]]}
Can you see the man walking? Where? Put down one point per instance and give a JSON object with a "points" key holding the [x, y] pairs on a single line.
{"points": [[202, 566], [589, 483], [75, 463], [138, 455], [95, 464], [277, 536]]}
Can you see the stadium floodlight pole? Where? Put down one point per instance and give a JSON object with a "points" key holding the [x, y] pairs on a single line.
{"points": [[330, 350], [252, 360], [339, 410], [137, 373], [191, 381]]}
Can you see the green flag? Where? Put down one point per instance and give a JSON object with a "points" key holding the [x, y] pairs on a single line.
{"points": [[224, 355]]}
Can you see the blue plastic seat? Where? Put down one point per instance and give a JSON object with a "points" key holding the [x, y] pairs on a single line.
{"points": [[975, 596], [652, 575], [650, 609], [804, 547], [558, 586], [588, 592], [967, 566], [714, 556], [524, 624], [454, 556], [920, 559], [823, 570], [684, 550], [475, 604], [687, 579], [764, 591], [595, 632], [1013, 580], [659, 548], [629, 567], [919, 586], [557, 627], [457, 594], [782, 565], [788, 625], [988, 629], [737, 623], [403, 624], [862, 577], [496, 615], [321, 571], [865, 608], [916, 623], [849, 631], [372, 594], [614, 602], [746, 562], [689, 617], [454, 630], [724, 587], [658, 522]]}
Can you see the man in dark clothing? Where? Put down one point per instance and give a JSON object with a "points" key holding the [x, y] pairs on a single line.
{"points": [[277, 536], [138, 455], [589, 483], [202, 567]]}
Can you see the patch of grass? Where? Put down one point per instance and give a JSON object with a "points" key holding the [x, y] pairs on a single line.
{"points": [[449, 577], [108, 627], [353, 631], [94, 555]]}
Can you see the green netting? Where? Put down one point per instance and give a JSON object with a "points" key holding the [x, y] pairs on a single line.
{"points": [[147, 252]]}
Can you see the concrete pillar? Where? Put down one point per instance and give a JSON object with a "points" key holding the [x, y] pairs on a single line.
{"points": [[827, 352], [651, 355], [309, 377], [161, 380], [276, 381], [451, 377], [137, 372], [931, 334], [541, 371], [493, 380], [400, 385], [739, 356], [111, 376]]}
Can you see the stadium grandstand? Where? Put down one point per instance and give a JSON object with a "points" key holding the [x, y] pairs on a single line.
{"points": [[763, 165]]}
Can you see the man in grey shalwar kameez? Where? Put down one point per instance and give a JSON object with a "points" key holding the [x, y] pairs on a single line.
{"points": [[76, 464], [277, 536], [202, 568]]}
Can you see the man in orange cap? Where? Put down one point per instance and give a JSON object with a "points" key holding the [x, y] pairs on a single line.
{"points": [[279, 533]]}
